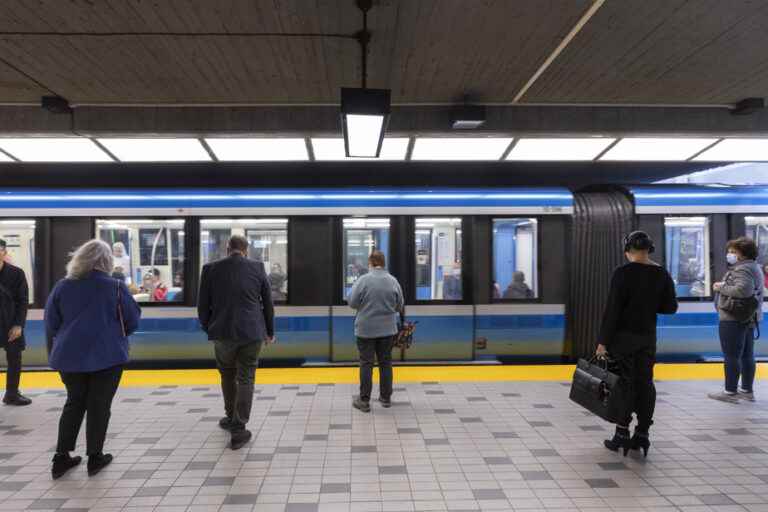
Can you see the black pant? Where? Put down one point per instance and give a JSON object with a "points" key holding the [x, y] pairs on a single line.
{"points": [[738, 343], [92, 392], [636, 369], [381, 349], [237, 362], [13, 374]]}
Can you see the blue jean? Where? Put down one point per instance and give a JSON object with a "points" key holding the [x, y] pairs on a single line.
{"points": [[738, 343]]}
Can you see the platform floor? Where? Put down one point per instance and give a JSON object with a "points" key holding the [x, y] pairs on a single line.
{"points": [[502, 445]]}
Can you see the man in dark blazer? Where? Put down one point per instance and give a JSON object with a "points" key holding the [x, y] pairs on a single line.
{"points": [[14, 300], [234, 307]]}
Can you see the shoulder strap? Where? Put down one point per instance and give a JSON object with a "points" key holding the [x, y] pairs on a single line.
{"points": [[6, 291]]}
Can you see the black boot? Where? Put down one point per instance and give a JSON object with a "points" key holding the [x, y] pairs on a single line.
{"points": [[620, 441], [62, 463], [640, 441], [98, 462]]}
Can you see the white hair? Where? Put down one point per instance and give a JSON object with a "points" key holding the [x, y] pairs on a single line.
{"points": [[92, 255]]}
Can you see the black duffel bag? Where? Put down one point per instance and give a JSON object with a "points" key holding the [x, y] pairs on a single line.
{"points": [[599, 390]]}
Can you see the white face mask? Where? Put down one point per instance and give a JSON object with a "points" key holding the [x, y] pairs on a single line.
{"points": [[731, 258]]}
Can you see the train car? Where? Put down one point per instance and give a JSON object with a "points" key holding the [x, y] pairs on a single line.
{"points": [[482, 269], [490, 274]]}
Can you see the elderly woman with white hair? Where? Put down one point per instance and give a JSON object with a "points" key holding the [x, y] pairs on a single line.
{"points": [[88, 318]]}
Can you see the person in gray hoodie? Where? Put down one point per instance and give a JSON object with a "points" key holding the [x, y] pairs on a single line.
{"points": [[378, 300], [737, 339]]}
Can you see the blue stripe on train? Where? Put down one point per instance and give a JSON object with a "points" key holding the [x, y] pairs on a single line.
{"points": [[685, 335]]}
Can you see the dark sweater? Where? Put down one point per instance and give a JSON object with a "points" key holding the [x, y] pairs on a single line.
{"points": [[638, 293]]}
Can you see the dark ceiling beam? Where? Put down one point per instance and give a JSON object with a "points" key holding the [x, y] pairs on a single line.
{"points": [[324, 120]]}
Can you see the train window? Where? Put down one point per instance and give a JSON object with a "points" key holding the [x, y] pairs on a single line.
{"points": [[515, 273], [687, 255], [757, 230], [149, 256], [361, 237], [438, 259], [267, 242], [19, 237]]}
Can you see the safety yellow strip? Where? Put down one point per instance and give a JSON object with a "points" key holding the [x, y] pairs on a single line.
{"points": [[349, 375]]}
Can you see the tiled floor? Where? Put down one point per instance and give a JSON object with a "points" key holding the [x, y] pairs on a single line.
{"points": [[443, 446]]}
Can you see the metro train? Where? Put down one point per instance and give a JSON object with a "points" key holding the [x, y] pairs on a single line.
{"points": [[490, 274]]}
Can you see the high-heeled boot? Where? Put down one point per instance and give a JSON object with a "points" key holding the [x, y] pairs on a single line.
{"points": [[619, 441], [640, 441]]}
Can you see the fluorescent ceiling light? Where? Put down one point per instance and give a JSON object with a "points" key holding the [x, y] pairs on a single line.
{"points": [[157, 150], [333, 149], [258, 149], [737, 150], [658, 149], [68, 149], [364, 117], [585, 148], [455, 148]]}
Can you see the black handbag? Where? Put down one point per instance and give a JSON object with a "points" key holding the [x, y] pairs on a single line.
{"points": [[600, 390]]}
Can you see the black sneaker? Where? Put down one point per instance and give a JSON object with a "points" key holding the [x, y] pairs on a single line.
{"points": [[240, 439], [17, 399], [98, 462], [226, 423], [361, 405], [62, 463], [385, 402]]}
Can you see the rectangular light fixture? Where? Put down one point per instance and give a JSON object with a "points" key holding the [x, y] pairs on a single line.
{"points": [[49, 149], [364, 118], [656, 149], [258, 149], [460, 148], [333, 149], [156, 149], [559, 149], [736, 150]]}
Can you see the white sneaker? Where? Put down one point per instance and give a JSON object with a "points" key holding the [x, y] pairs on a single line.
{"points": [[724, 396], [749, 396]]}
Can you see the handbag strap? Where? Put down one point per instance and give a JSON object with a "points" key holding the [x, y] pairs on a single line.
{"points": [[120, 309]]}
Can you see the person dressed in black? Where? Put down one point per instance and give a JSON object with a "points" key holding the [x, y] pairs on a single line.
{"points": [[235, 309], [640, 290], [14, 300]]}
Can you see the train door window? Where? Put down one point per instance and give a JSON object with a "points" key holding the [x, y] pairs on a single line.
{"points": [[757, 230], [267, 243], [361, 237], [515, 274], [687, 255], [19, 237], [148, 255], [438, 259]]}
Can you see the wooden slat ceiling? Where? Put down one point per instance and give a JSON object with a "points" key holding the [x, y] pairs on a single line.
{"points": [[426, 51]]}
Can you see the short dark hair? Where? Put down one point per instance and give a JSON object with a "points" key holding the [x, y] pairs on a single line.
{"points": [[238, 243], [745, 246], [3, 245], [377, 259], [156, 272]]}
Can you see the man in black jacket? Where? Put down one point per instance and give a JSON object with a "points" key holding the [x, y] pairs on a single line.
{"points": [[14, 299], [234, 307]]}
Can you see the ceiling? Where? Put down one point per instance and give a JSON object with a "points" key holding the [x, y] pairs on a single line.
{"points": [[667, 52]]}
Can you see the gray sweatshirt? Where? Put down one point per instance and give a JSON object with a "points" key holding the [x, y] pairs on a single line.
{"points": [[378, 299], [743, 280]]}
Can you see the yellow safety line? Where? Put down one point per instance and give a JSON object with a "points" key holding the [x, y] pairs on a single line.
{"points": [[349, 375]]}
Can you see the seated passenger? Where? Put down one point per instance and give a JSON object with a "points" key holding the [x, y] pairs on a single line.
{"points": [[496, 290], [122, 260], [88, 318], [517, 289], [159, 290]]}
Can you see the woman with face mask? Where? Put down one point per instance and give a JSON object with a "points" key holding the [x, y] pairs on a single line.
{"points": [[743, 280]]}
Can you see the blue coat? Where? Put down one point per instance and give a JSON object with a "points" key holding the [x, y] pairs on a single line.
{"points": [[83, 326]]}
